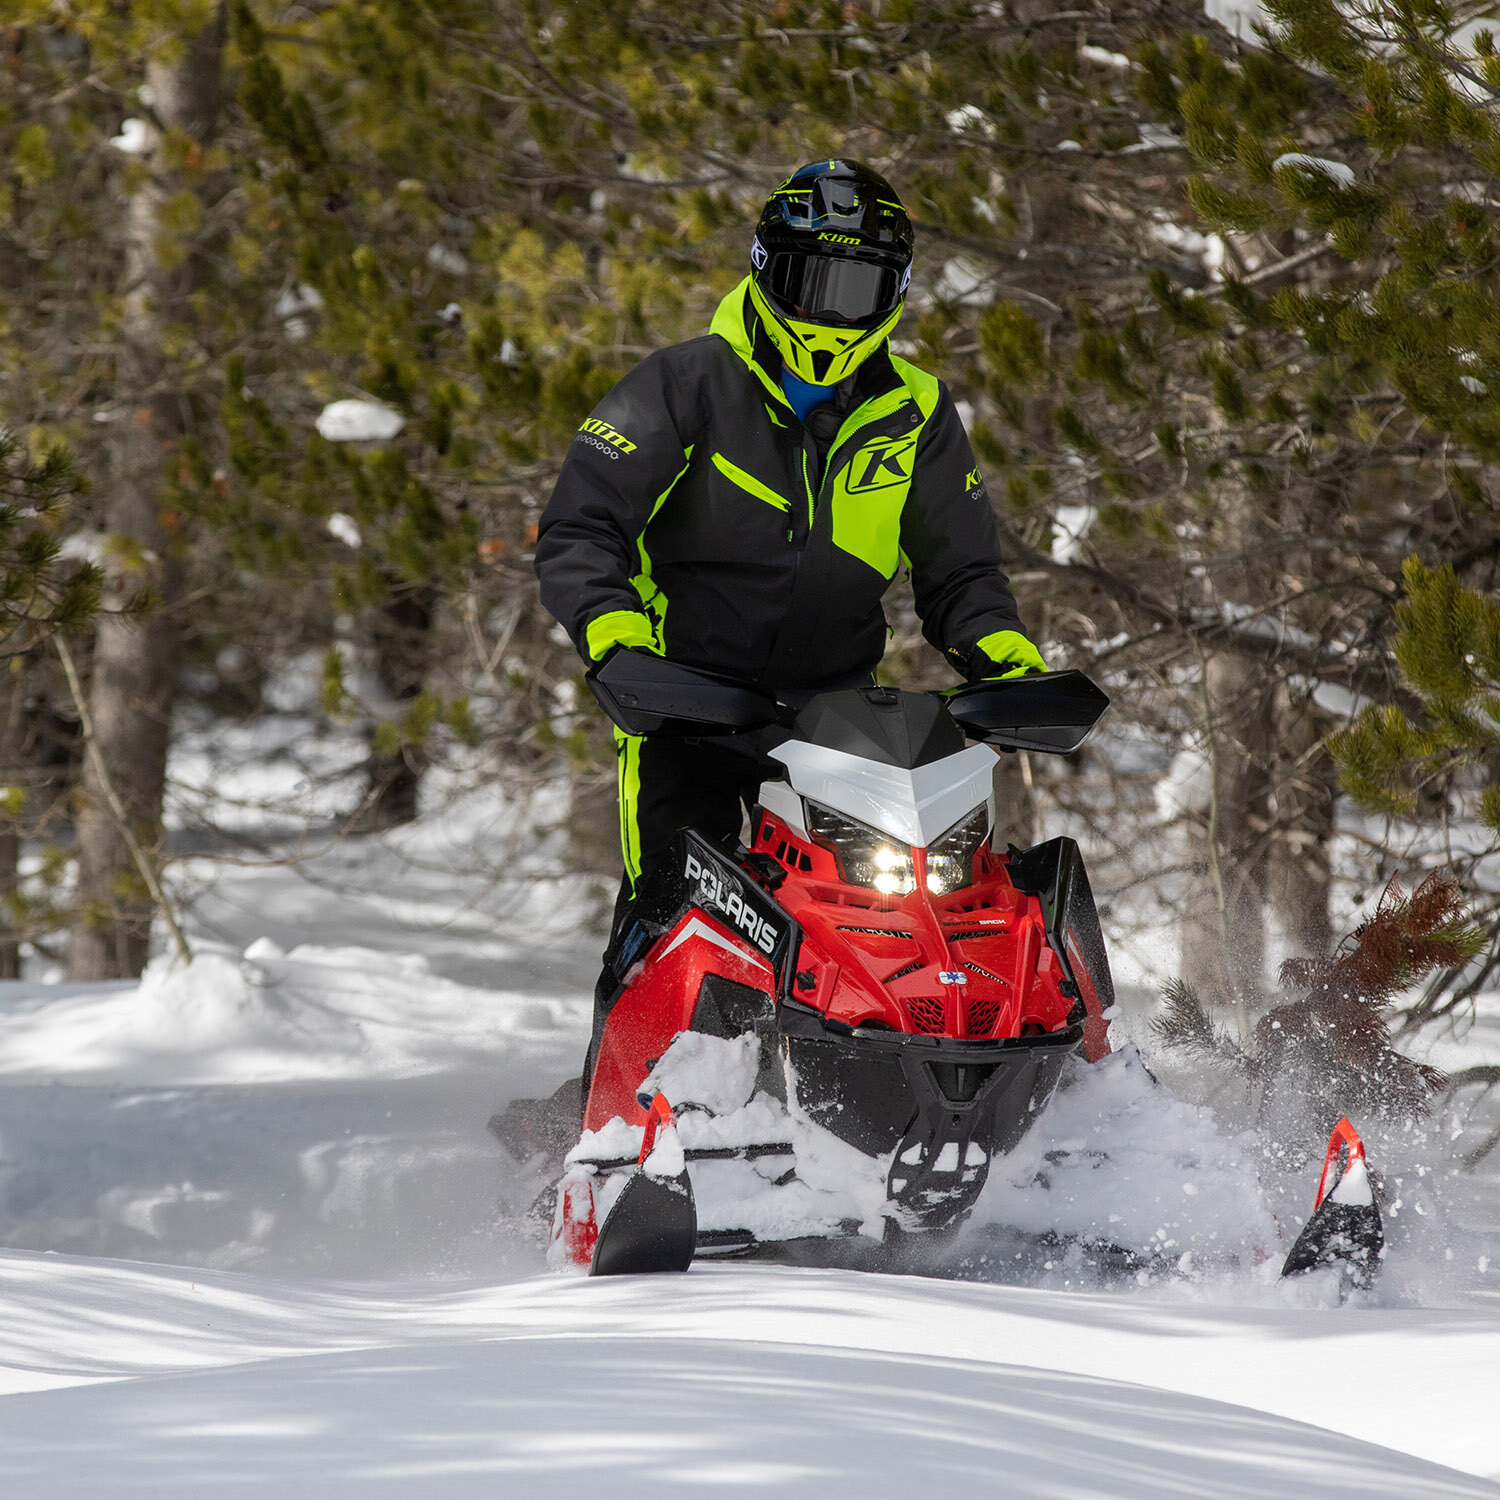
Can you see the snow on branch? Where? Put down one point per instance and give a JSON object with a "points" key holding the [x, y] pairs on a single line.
{"points": [[356, 421]]}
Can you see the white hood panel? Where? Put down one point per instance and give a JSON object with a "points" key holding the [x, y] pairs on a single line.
{"points": [[913, 807]]}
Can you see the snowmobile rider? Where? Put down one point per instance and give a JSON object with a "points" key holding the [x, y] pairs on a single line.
{"points": [[742, 501]]}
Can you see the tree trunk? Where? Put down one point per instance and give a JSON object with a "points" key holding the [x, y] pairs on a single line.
{"points": [[1224, 918], [1305, 784], [17, 776], [136, 660], [1224, 938], [402, 637]]}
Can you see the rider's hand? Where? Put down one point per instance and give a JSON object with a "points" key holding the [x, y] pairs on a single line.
{"points": [[1005, 654], [630, 628]]}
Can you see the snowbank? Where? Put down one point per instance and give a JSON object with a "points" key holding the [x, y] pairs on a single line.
{"points": [[316, 1111], [264, 1016]]}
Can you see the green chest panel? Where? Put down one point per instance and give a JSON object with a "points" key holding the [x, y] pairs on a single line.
{"points": [[872, 466], [868, 494]]}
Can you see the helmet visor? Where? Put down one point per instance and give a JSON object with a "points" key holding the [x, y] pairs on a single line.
{"points": [[831, 289]]}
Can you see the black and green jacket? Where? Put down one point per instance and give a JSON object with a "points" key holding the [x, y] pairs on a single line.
{"points": [[697, 516]]}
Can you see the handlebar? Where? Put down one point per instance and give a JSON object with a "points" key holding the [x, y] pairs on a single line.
{"points": [[1052, 712]]}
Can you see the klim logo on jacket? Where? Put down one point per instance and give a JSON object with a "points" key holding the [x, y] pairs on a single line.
{"points": [[718, 893], [877, 465], [593, 426]]}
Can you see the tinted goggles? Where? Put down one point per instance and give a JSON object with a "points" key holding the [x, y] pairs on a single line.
{"points": [[832, 289]]}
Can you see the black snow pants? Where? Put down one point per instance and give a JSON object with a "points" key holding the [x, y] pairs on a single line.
{"points": [[665, 786]]}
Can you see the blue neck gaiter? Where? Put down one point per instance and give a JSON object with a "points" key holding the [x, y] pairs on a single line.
{"points": [[803, 395]]}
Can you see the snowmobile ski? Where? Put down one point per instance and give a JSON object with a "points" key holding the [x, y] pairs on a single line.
{"points": [[1345, 1228], [653, 1224]]}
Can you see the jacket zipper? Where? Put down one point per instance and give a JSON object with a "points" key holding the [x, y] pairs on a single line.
{"points": [[791, 531]]}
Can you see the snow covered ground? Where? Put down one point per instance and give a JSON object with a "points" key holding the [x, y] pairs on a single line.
{"points": [[263, 1244], [733, 1381]]}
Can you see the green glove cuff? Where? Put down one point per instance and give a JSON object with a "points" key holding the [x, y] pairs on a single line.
{"points": [[620, 627], [1011, 654]]}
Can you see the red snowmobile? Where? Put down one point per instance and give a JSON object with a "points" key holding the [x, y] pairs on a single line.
{"points": [[831, 1034], [826, 1038]]}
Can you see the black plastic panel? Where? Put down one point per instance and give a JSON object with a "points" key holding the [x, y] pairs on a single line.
{"points": [[647, 694], [728, 1010], [861, 1097], [696, 873], [1053, 712], [919, 1096], [1054, 873], [888, 727]]}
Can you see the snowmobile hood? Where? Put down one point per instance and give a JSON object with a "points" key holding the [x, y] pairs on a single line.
{"points": [[915, 806]]}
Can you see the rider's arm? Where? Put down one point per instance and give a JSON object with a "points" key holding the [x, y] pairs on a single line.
{"points": [[623, 459], [948, 534]]}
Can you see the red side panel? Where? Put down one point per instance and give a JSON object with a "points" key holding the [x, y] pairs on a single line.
{"points": [[1095, 1027], [659, 1002]]}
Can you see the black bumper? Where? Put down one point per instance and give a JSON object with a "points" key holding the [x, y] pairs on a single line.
{"points": [[943, 1106]]}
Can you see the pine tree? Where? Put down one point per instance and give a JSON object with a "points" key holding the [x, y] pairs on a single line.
{"points": [[42, 591], [1325, 424], [132, 332], [1374, 183], [1046, 197], [1447, 645], [1436, 755], [1059, 294]]}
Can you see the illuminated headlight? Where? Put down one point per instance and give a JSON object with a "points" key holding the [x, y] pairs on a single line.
{"points": [[866, 856], [950, 861]]}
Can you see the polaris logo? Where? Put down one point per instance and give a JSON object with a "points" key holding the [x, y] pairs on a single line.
{"points": [[952, 976], [724, 897]]}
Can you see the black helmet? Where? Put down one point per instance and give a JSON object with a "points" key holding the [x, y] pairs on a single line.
{"points": [[830, 265]]}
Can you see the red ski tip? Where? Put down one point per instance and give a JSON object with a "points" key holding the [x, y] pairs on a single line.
{"points": [[659, 1117], [1345, 1229], [575, 1227], [1344, 1149]]}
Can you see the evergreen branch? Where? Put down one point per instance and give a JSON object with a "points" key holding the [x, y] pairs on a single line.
{"points": [[1186, 1025]]}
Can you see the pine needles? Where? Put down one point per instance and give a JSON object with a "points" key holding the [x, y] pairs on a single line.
{"points": [[1187, 1025], [1447, 646], [1328, 1051]]}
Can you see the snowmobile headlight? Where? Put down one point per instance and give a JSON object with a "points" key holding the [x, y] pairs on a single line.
{"points": [[866, 856], [950, 859]]}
